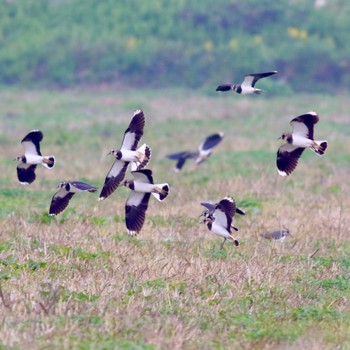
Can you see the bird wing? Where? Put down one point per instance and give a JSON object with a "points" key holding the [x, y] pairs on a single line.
{"points": [[113, 179], [224, 212], [60, 201], [304, 124], [224, 87], [287, 158], [31, 142], [134, 132], [26, 173], [251, 79], [83, 186], [144, 175], [135, 211], [210, 206], [181, 158], [210, 142]]}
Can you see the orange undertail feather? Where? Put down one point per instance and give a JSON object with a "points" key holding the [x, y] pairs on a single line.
{"points": [[234, 241], [49, 162], [320, 147]]}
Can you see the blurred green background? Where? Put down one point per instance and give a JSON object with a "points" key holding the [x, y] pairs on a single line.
{"points": [[185, 43]]}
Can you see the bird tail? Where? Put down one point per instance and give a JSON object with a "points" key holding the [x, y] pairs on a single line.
{"points": [[319, 147], [161, 191], [234, 241], [257, 91], [49, 162], [145, 155]]}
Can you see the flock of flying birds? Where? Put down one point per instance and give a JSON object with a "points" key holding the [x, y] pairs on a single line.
{"points": [[217, 216]]}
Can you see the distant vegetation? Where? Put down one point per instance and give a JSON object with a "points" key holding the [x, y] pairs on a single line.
{"points": [[185, 42]]}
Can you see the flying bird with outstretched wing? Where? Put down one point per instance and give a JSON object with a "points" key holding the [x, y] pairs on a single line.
{"points": [[127, 153], [301, 137], [248, 84], [137, 203], [203, 152], [67, 189], [28, 162]]}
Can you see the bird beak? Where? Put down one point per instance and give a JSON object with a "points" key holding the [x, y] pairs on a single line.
{"points": [[279, 138]]}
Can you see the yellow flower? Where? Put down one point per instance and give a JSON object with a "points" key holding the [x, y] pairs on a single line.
{"points": [[293, 32], [130, 43], [233, 43], [208, 45], [258, 39]]}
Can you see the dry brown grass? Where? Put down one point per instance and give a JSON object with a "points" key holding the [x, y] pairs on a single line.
{"points": [[79, 282]]}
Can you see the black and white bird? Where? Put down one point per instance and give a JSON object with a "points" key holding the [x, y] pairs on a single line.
{"points": [[66, 191], [248, 84], [301, 137], [204, 151], [220, 221], [127, 153], [278, 235], [137, 203], [28, 162], [211, 208]]}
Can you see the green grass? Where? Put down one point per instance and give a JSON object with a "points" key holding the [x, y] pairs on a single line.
{"points": [[77, 281]]}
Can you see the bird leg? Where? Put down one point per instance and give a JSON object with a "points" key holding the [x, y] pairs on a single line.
{"points": [[222, 244]]}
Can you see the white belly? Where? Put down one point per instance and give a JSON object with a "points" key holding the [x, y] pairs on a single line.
{"points": [[301, 141], [219, 230], [143, 187], [33, 159], [129, 156]]}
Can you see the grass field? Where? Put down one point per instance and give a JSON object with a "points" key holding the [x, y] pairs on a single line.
{"points": [[78, 281]]}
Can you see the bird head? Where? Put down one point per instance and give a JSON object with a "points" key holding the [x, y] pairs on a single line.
{"points": [[129, 184], [64, 184], [116, 152], [19, 159]]}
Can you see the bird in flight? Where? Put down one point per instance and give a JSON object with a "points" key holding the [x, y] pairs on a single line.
{"points": [[67, 190], [248, 84], [127, 153], [28, 162], [220, 220], [203, 152], [137, 203], [301, 137]]}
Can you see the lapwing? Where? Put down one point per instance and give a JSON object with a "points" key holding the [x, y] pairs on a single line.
{"points": [[66, 191], [127, 153], [32, 157], [137, 203], [205, 149], [301, 137], [211, 208], [248, 84], [220, 221], [278, 235]]}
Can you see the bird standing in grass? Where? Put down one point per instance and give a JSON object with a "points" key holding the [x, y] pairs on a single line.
{"points": [[205, 149], [301, 137], [28, 162], [211, 208], [248, 84], [126, 154], [67, 190], [278, 235], [137, 203], [220, 220]]}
